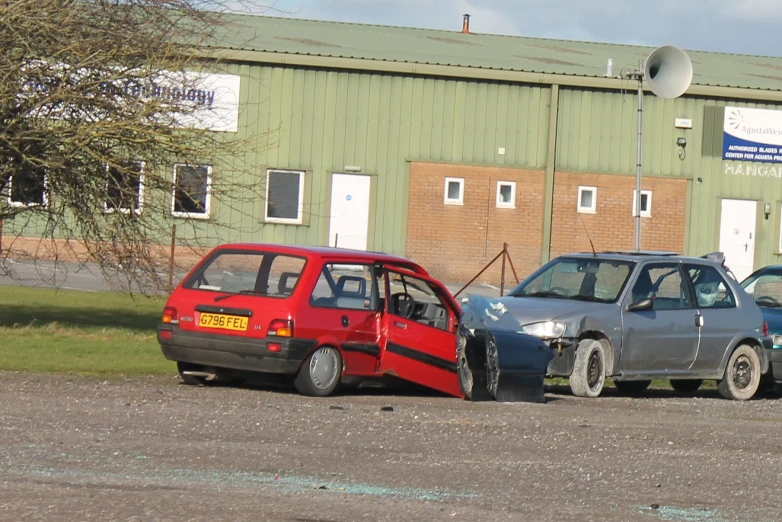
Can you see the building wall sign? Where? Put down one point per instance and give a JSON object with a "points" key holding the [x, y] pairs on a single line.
{"points": [[216, 99], [209, 101], [752, 169], [752, 135]]}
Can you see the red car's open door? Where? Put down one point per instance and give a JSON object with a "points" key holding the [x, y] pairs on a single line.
{"points": [[419, 330]]}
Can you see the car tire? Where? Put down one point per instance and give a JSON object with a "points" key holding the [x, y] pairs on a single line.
{"points": [[686, 385], [588, 375], [321, 373], [632, 387], [742, 374], [471, 364], [462, 366], [463, 370]]}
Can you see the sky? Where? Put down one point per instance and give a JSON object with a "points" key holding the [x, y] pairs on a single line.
{"points": [[731, 26]]}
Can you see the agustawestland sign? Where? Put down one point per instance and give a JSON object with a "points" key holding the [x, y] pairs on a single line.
{"points": [[752, 135]]}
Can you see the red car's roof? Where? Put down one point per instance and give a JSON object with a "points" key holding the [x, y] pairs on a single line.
{"points": [[327, 252]]}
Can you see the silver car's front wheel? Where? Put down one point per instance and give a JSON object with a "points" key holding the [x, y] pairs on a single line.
{"points": [[588, 374]]}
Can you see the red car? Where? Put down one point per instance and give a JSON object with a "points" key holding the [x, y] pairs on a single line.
{"points": [[323, 316]]}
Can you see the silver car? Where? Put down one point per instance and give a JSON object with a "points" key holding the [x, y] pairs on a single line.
{"points": [[636, 317]]}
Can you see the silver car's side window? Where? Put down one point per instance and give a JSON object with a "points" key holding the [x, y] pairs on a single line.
{"points": [[711, 290], [664, 285]]}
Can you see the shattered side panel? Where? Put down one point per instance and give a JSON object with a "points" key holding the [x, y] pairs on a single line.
{"points": [[495, 359]]}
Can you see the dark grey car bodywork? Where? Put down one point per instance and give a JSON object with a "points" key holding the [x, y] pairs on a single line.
{"points": [[646, 344]]}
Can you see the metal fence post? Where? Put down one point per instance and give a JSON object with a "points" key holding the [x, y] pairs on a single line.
{"points": [[171, 259], [502, 272]]}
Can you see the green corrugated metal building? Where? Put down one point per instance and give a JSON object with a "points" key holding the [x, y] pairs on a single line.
{"points": [[346, 100]]}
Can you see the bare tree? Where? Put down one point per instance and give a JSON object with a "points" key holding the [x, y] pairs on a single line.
{"points": [[99, 99]]}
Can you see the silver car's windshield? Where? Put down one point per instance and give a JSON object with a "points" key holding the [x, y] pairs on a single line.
{"points": [[593, 279]]}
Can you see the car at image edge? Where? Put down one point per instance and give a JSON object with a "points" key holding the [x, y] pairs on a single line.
{"points": [[765, 287]]}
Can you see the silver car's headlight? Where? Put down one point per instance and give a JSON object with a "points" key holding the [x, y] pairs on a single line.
{"points": [[778, 340], [545, 330]]}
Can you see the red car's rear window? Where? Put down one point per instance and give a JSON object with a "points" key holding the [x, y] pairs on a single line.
{"points": [[245, 271]]}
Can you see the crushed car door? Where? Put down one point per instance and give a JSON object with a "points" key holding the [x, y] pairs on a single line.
{"points": [[419, 325]]}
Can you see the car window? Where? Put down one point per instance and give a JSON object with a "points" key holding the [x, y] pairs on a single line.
{"points": [[260, 273], [345, 286], [711, 289], [765, 288], [591, 279], [414, 299], [664, 285]]}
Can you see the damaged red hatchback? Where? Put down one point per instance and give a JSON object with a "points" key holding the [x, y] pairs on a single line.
{"points": [[322, 316]]}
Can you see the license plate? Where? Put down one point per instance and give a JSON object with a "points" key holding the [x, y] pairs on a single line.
{"points": [[223, 322]]}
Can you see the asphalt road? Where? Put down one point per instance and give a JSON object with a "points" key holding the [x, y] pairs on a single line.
{"points": [[74, 448]]}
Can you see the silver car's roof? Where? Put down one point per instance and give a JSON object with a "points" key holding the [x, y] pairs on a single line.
{"points": [[643, 255]]}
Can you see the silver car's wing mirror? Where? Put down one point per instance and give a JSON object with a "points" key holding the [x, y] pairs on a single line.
{"points": [[642, 305]]}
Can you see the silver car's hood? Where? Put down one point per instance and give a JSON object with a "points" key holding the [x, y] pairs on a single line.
{"points": [[528, 310]]}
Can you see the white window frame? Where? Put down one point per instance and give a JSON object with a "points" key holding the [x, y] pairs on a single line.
{"points": [[207, 203], [512, 202], [587, 210], [460, 200], [288, 221], [21, 204], [648, 211], [138, 210]]}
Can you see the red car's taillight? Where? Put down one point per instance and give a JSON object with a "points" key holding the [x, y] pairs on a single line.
{"points": [[281, 328], [170, 315]]}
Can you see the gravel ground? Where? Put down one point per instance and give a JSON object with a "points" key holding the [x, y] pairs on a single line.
{"points": [[74, 448]]}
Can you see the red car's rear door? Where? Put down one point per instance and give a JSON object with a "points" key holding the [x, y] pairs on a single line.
{"points": [[418, 330]]}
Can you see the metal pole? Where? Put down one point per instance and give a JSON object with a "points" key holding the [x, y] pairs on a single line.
{"points": [[479, 273], [502, 274], [639, 153], [171, 259]]}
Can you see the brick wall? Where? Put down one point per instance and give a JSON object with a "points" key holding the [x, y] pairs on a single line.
{"points": [[612, 227], [455, 242]]}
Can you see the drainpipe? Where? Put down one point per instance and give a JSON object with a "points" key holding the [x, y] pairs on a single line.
{"points": [[551, 157]]}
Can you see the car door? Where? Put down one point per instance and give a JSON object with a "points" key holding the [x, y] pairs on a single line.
{"points": [[418, 326], [662, 337], [343, 310], [717, 306]]}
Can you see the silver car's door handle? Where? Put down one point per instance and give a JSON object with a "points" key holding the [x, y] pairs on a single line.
{"points": [[699, 320]]}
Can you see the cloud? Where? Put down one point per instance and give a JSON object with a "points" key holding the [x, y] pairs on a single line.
{"points": [[761, 10]]}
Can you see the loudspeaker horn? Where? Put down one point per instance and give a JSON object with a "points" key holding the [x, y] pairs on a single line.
{"points": [[668, 71]]}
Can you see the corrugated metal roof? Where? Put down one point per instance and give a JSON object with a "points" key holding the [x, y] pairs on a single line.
{"points": [[482, 51]]}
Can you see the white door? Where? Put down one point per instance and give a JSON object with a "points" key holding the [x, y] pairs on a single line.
{"points": [[737, 235], [349, 220]]}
